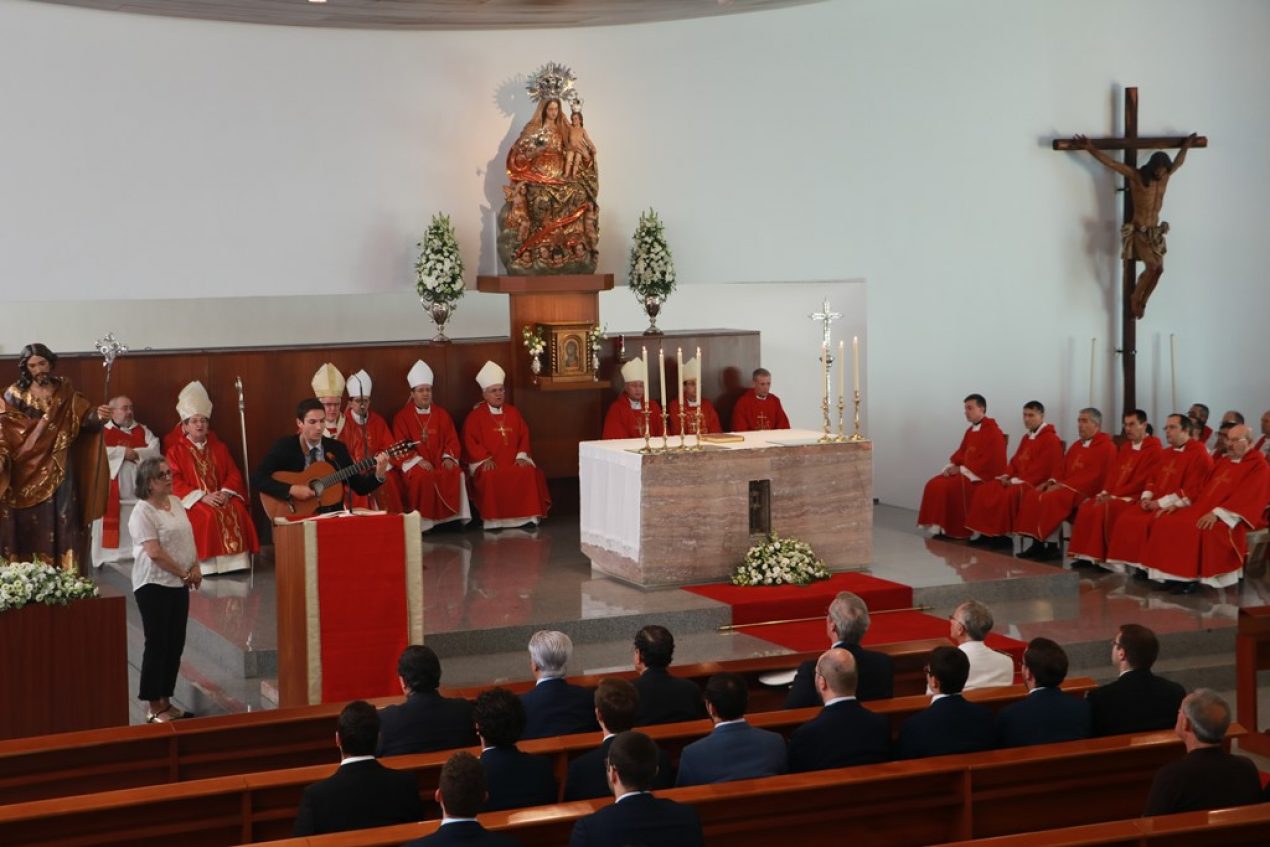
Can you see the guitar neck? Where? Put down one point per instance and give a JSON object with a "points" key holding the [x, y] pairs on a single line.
{"points": [[352, 470]]}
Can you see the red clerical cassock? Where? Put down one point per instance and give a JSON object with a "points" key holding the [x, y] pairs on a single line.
{"points": [[693, 403], [625, 418], [1121, 491], [1208, 541], [1177, 473], [1037, 459], [366, 434], [111, 541], [508, 488], [1084, 468], [947, 497], [754, 413], [433, 476]]}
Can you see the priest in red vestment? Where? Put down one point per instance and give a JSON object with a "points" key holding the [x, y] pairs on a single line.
{"points": [[693, 403], [508, 488], [947, 498], [366, 435], [625, 418], [1036, 459], [210, 487], [758, 408], [128, 444], [1263, 443], [1199, 413], [1083, 474], [1207, 542], [1120, 493], [432, 475]]}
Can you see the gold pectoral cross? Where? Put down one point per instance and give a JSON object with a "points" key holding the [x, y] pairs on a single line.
{"points": [[1167, 474], [502, 431], [762, 421]]}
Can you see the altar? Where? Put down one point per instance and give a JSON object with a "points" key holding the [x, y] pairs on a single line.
{"points": [[681, 517]]}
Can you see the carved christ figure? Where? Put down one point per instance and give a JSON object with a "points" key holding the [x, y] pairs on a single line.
{"points": [[1142, 238]]}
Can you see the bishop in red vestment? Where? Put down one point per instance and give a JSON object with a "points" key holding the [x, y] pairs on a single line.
{"points": [[508, 488], [128, 444], [1208, 541], [433, 477], [625, 418], [948, 497], [693, 403], [758, 408], [366, 435], [1121, 491], [1036, 459]]}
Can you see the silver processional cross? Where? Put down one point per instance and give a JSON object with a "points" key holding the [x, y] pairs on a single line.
{"points": [[826, 317]]}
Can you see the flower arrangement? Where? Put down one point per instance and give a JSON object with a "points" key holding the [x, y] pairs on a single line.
{"points": [[595, 335], [652, 271], [779, 561], [35, 582], [439, 268], [532, 336]]}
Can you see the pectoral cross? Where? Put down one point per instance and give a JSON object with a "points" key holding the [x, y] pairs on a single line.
{"points": [[1221, 478], [1166, 475], [826, 317], [502, 431], [1078, 463], [761, 420]]}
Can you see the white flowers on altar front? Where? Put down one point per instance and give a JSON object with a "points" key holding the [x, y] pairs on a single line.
{"points": [[652, 270], [35, 582], [439, 268], [780, 561]]}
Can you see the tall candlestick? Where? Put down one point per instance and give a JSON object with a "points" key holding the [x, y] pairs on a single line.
{"points": [[680, 356], [842, 368], [1093, 342], [1173, 367], [661, 365], [701, 381], [855, 363]]}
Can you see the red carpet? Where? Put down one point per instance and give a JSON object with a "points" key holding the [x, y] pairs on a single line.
{"points": [[751, 603]]}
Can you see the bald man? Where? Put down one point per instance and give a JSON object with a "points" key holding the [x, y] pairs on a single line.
{"points": [[845, 733]]}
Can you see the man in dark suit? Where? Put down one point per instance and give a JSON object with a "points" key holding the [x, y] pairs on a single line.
{"points": [[845, 624], [1139, 701], [844, 733], [362, 793], [426, 721], [554, 707], [662, 697], [1207, 777], [461, 793], [950, 724], [637, 819], [616, 707], [513, 779], [733, 750], [1046, 715], [297, 452]]}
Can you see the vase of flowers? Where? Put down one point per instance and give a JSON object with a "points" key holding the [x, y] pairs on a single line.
{"points": [[534, 343], [652, 269], [780, 561], [439, 273], [595, 339]]}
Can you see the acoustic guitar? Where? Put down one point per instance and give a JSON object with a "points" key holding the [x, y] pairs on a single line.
{"points": [[326, 483]]}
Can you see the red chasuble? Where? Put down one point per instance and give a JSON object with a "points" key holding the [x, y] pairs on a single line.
{"points": [[1037, 459], [1178, 549], [137, 439], [625, 421], [1084, 468], [947, 499], [751, 413], [1125, 482], [375, 435], [505, 491], [1176, 473], [434, 494], [223, 531], [709, 418]]}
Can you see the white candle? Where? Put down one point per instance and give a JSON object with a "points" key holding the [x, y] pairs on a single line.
{"points": [[1093, 342], [680, 357], [661, 365], [842, 369], [648, 391], [1173, 367], [701, 386], [855, 363]]}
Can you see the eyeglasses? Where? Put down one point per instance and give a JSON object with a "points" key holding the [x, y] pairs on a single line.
{"points": [[164, 475]]}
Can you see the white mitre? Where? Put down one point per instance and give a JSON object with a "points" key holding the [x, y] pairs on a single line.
{"points": [[420, 374], [491, 374], [692, 370], [359, 384], [635, 371], [328, 382], [193, 400]]}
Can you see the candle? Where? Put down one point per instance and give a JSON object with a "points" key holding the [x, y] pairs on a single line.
{"points": [[701, 381], [1092, 345], [842, 369], [1173, 366], [661, 366], [680, 355], [855, 363]]}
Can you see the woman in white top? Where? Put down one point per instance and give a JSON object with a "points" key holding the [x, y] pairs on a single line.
{"points": [[165, 568]]}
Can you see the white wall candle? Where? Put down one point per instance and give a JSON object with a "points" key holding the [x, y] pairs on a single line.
{"points": [[855, 363], [701, 387], [1173, 368], [1093, 343], [842, 369], [661, 365], [679, 353]]}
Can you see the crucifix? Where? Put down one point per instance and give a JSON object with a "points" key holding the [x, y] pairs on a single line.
{"points": [[1142, 234], [826, 317]]}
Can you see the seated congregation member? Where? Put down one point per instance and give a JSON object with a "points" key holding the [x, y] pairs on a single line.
{"points": [[968, 626], [513, 779], [846, 622], [1138, 700], [733, 750], [362, 793], [637, 819], [296, 452], [1036, 459], [1207, 777], [616, 707], [432, 476], [461, 795], [662, 698], [426, 721], [625, 417], [759, 408], [1120, 493], [1046, 715], [211, 487], [128, 444], [1207, 541], [553, 706], [365, 434], [844, 733], [508, 488], [693, 403], [1084, 469], [948, 497], [1199, 413], [950, 724]]}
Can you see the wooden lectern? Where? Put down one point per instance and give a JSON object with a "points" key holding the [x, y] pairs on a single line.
{"points": [[350, 598]]}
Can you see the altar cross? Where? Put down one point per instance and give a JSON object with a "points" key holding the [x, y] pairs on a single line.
{"points": [[826, 317]]}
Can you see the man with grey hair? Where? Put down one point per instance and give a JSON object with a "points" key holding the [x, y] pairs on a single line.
{"points": [[1083, 472], [1207, 777], [128, 444], [845, 625], [968, 626], [555, 707]]}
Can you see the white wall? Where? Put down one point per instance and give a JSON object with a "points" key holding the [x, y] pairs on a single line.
{"points": [[905, 141]]}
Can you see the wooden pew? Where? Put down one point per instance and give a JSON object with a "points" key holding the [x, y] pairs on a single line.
{"points": [[259, 806]]}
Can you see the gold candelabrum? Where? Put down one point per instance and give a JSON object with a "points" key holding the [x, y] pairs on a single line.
{"points": [[683, 429], [857, 435], [665, 431], [698, 419], [842, 408], [647, 448]]}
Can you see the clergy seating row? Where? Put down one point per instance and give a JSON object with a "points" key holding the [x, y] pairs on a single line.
{"points": [[1243, 826], [263, 805], [123, 757]]}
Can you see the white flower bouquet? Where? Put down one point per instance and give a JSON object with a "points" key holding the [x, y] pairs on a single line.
{"points": [[534, 342], [780, 561], [439, 268], [35, 582], [652, 270]]}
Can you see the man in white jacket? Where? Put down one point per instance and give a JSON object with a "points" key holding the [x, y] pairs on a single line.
{"points": [[969, 625]]}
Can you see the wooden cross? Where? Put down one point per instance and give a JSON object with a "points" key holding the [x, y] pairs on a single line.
{"points": [[1130, 143]]}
